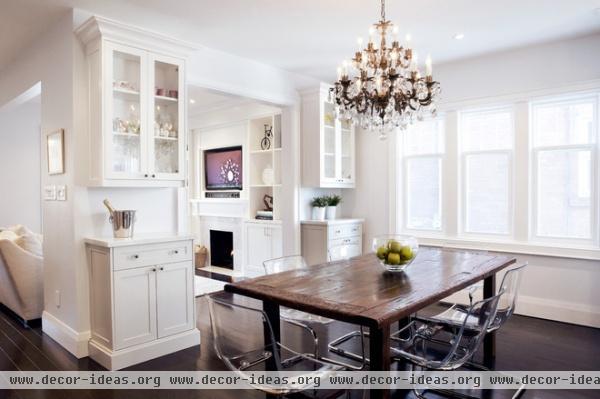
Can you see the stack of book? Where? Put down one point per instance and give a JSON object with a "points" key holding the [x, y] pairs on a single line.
{"points": [[264, 215]]}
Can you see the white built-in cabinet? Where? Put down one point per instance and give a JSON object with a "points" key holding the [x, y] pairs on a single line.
{"points": [[136, 130], [263, 241], [321, 237], [328, 145], [141, 299]]}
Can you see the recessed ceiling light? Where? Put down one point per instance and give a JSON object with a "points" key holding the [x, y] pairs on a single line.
{"points": [[192, 101], [459, 36]]}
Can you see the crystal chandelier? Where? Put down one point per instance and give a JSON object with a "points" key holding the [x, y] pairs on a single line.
{"points": [[387, 90]]}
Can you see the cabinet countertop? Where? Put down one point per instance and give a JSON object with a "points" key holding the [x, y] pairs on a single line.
{"points": [[137, 239], [331, 222]]}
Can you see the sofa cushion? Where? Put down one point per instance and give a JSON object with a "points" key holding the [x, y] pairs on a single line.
{"points": [[11, 236], [30, 241]]}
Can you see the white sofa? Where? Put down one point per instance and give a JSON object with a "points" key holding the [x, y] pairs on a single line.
{"points": [[21, 276]]}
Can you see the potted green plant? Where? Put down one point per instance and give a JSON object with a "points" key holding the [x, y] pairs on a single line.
{"points": [[332, 202], [318, 208]]}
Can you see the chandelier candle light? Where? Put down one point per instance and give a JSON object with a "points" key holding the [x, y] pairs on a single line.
{"points": [[387, 90]]}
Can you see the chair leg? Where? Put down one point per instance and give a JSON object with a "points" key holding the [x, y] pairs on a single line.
{"points": [[334, 346]]}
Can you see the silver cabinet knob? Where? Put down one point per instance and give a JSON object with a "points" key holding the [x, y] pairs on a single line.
{"points": [[161, 268]]}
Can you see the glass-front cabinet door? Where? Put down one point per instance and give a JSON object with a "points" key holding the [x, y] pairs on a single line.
{"points": [[346, 152], [126, 112], [330, 143], [167, 103], [337, 148]]}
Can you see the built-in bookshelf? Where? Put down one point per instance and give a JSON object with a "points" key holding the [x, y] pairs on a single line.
{"points": [[264, 164]]}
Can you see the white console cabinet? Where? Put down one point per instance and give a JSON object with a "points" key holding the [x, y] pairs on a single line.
{"points": [[141, 299], [319, 237]]}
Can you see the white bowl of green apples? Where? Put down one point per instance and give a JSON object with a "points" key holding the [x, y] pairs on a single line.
{"points": [[395, 252]]}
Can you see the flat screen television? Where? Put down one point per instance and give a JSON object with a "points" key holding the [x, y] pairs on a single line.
{"points": [[223, 168]]}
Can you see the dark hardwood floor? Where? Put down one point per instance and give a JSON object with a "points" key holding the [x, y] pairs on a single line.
{"points": [[524, 343]]}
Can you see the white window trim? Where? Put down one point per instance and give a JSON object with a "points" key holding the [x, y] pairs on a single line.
{"points": [[488, 109], [522, 243], [400, 202], [594, 148]]}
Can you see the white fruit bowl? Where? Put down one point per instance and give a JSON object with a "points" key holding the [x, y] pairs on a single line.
{"points": [[395, 252]]}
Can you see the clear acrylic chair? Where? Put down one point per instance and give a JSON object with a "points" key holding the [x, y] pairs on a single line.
{"points": [[246, 353], [300, 318], [427, 344], [456, 315]]}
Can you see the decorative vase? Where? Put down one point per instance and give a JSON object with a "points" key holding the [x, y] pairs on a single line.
{"points": [[267, 176], [318, 213], [330, 212]]}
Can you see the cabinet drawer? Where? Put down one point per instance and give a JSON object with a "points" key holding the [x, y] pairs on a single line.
{"points": [[153, 254], [345, 230], [344, 241], [343, 248]]}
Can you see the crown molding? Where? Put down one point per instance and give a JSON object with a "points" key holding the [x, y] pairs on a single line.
{"points": [[97, 27]]}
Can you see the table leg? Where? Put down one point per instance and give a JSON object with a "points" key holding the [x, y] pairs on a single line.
{"points": [[379, 354], [489, 341], [272, 311]]}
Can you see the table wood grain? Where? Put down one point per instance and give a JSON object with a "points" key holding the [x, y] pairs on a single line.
{"points": [[360, 291]]}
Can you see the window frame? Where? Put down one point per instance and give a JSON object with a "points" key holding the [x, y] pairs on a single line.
{"points": [[523, 240], [593, 147], [403, 166], [462, 174]]}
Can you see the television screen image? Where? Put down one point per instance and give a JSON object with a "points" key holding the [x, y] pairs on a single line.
{"points": [[223, 168]]}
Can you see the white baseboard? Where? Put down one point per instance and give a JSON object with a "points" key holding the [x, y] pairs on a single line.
{"points": [[568, 312], [73, 341], [116, 360]]}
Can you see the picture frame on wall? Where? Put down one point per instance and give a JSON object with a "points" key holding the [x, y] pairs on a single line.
{"points": [[55, 150]]}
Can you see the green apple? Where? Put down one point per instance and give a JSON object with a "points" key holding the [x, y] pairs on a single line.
{"points": [[395, 246], [382, 252], [393, 258], [406, 253]]}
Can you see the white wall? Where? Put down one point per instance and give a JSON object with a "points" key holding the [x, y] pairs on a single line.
{"points": [[557, 288], [20, 162]]}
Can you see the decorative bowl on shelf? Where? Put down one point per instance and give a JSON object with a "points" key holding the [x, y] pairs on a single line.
{"points": [[395, 252]]}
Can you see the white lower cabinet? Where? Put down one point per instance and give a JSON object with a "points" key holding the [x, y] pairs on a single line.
{"points": [[135, 306], [263, 242], [174, 299], [335, 239], [139, 309]]}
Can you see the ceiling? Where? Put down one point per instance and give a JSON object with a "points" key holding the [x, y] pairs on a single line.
{"points": [[312, 37], [205, 100]]}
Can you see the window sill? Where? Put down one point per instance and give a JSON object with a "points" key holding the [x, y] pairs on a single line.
{"points": [[572, 252]]}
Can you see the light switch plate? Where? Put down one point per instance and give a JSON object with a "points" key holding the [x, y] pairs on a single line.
{"points": [[61, 193], [50, 193]]}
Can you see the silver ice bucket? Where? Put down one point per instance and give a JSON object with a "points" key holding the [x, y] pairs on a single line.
{"points": [[122, 223]]}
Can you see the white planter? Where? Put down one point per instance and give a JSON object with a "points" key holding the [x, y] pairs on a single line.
{"points": [[330, 212], [318, 213]]}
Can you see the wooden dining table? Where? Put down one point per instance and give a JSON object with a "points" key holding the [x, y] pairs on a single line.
{"points": [[360, 291]]}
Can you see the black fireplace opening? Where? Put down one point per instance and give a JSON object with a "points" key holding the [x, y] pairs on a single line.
{"points": [[221, 248]]}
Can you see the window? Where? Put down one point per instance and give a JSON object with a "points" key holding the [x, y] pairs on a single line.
{"points": [[525, 173], [564, 156], [423, 152], [486, 147]]}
